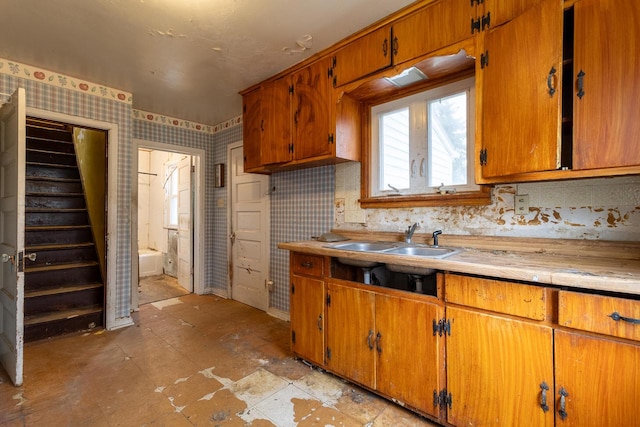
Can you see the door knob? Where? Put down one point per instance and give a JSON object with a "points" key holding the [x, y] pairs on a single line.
{"points": [[232, 237], [31, 257], [7, 258]]}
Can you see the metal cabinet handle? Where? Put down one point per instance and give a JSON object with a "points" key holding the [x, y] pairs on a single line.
{"points": [[378, 339], [385, 47], [320, 322], [306, 264], [615, 316], [563, 403], [581, 84], [543, 396], [370, 340], [552, 81]]}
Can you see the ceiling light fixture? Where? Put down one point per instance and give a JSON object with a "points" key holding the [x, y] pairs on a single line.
{"points": [[407, 77]]}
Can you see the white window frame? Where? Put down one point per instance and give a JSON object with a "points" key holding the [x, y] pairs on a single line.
{"points": [[418, 104]]}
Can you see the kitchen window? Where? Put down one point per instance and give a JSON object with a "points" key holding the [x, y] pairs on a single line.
{"points": [[422, 149], [423, 143]]}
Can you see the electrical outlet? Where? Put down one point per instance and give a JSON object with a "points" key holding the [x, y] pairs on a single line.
{"points": [[522, 204]]}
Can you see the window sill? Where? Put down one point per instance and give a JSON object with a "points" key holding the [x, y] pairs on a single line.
{"points": [[471, 198]]}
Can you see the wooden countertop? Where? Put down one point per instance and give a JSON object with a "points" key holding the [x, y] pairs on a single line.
{"points": [[604, 266]]}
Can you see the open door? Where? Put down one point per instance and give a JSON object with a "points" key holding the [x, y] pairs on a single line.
{"points": [[185, 221], [12, 182]]}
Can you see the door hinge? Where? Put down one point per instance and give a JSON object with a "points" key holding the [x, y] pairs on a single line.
{"points": [[484, 59], [475, 25], [291, 148], [329, 72], [293, 337], [328, 300], [442, 326], [483, 157], [486, 20], [328, 353], [330, 138], [334, 61], [291, 89], [293, 289], [443, 399]]}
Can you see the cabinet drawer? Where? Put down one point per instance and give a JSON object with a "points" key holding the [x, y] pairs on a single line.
{"points": [[618, 317], [496, 295], [307, 265]]}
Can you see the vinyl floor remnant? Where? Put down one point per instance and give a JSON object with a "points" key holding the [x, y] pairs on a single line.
{"points": [[188, 361]]}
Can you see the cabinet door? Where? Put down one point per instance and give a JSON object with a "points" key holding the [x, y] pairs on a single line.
{"points": [[495, 368], [276, 112], [606, 111], [252, 129], [307, 318], [601, 379], [433, 27], [409, 355], [351, 333], [312, 116], [363, 56], [520, 116], [497, 12]]}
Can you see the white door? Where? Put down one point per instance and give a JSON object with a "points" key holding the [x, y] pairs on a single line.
{"points": [[12, 182], [249, 234], [185, 276]]}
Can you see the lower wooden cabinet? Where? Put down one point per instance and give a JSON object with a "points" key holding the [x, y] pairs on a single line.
{"points": [[386, 343], [491, 352], [499, 370], [597, 381], [307, 318]]}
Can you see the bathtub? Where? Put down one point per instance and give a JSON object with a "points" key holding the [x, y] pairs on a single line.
{"points": [[149, 262]]}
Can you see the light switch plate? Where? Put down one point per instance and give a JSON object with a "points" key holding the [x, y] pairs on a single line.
{"points": [[522, 204]]}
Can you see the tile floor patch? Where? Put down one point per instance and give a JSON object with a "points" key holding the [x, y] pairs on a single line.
{"points": [[257, 386], [288, 406], [326, 388]]}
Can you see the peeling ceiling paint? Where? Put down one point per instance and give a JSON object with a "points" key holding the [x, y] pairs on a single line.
{"points": [[186, 59]]}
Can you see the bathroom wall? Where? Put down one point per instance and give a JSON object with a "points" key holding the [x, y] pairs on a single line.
{"points": [[592, 209]]}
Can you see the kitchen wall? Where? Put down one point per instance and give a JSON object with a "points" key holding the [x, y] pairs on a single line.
{"points": [[213, 140], [592, 209], [47, 90]]}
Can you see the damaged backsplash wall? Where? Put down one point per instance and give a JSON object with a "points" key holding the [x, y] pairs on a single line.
{"points": [[592, 209]]}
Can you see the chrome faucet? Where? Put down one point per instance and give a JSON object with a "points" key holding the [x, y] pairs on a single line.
{"points": [[409, 233]]}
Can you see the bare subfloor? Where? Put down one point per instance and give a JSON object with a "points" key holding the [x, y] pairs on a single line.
{"points": [[158, 288], [192, 360]]}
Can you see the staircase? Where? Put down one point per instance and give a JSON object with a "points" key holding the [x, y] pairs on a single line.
{"points": [[64, 289]]}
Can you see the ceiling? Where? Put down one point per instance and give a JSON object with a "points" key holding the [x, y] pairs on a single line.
{"points": [[181, 58]]}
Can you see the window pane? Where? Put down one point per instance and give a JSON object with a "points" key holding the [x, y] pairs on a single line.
{"points": [[448, 137], [394, 150]]}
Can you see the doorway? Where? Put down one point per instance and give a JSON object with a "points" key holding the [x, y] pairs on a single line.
{"points": [[167, 222]]}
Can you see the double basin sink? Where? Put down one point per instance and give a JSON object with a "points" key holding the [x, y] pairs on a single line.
{"points": [[394, 248]]}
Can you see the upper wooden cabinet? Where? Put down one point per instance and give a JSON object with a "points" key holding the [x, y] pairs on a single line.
{"points": [[607, 88], [252, 127], [438, 25], [518, 76], [363, 56], [314, 131], [299, 121]]}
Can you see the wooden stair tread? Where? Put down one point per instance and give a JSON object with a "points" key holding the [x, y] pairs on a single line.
{"points": [[61, 290], [60, 315], [54, 227], [45, 194], [46, 246], [40, 150], [53, 165], [50, 178], [45, 210], [55, 267]]}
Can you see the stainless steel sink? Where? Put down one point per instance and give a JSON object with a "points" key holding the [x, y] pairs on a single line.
{"points": [[423, 251], [364, 246]]}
